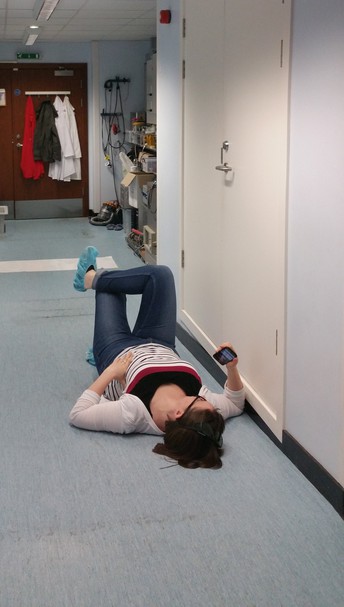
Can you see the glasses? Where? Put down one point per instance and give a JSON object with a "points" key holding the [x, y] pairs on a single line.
{"points": [[192, 403], [203, 429]]}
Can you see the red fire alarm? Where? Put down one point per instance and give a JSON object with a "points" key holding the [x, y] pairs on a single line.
{"points": [[165, 17]]}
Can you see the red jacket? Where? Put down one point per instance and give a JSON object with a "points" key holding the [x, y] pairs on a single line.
{"points": [[31, 169]]}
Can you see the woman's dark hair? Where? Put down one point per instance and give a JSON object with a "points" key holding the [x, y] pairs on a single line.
{"points": [[194, 440]]}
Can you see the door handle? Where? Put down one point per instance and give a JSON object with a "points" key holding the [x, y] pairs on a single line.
{"points": [[19, 145], [224, 165]]}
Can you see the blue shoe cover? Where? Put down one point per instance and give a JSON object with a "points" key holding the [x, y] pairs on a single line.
{"points": [[90, 357], [86, 260]]}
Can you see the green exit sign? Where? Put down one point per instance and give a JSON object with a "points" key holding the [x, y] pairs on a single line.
{"points": [[27, 55]]}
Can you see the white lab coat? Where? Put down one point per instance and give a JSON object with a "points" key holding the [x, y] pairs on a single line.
{"points": [[69, 167]]}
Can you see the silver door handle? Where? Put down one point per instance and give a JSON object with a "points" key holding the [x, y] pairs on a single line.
{"points": [[224, 165], [19, 145]]}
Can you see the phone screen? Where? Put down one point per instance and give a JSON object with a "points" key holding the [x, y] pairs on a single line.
{"points": [[225, 355]]}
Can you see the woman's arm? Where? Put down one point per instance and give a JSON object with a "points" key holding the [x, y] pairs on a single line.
{"points": [[91, 414], [232, 401], [233, 376], [116, 370]]}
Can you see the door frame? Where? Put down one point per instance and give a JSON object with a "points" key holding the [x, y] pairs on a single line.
{"points": [[51, 207]]}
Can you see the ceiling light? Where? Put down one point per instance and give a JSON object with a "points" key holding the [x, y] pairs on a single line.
{"points": [[31, 34], [43, 9]]}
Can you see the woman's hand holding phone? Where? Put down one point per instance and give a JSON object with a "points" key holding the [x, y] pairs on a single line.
{"points": [[225, 354]]}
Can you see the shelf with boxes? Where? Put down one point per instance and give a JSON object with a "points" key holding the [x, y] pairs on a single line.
{"points": [[146, 154], [138, 190], [138, 202], [143, 138], [147, 161]]}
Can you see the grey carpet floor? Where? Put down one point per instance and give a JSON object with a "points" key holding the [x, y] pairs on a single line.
{"points": [[97, 520]]}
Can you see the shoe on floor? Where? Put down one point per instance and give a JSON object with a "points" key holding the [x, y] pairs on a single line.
{"points": [[90, 357], [87, 260]]}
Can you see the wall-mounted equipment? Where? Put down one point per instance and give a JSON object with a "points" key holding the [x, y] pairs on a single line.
{"points": [[165, 17], [108, 84]]}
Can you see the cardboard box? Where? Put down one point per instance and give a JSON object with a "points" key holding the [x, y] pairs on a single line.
{"points": [[131, 186], [148, 162]]}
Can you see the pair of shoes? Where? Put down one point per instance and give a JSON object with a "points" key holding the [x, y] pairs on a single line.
{"points": [[117, 227], [86, 261]]}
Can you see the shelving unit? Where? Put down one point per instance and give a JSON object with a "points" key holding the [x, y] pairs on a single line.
{"points": [[143, 238]]}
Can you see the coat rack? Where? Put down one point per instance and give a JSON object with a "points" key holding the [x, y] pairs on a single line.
{"points": [[47, 93]]}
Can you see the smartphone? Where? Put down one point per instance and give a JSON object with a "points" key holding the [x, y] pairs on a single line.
{"points": [[225, 355]]}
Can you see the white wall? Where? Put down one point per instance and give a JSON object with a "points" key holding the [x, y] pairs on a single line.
{"points": [[124, 59], [105, 60], [314, 412], [169, 138]]}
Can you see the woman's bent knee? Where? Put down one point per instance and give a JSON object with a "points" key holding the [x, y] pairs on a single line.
{"points": [[162, 271]]}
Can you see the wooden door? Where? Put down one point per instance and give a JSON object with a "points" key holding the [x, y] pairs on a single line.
{"points": [[237, 291], [44, 197], [6, 153]]}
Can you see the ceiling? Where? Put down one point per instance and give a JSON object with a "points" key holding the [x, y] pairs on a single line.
{"points": [[81, 20]]}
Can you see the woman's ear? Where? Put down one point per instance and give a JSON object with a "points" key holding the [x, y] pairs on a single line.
{"points": [[173, 415]]}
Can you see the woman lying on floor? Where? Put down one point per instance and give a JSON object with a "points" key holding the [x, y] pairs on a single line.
{"points": [[155, 392]]}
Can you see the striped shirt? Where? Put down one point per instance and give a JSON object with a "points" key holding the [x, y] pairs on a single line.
{"points": [[148, 359]]}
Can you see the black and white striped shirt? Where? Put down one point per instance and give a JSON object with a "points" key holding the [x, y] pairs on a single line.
{"points": [[149, 359]]}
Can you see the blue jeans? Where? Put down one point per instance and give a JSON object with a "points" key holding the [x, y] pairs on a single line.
{"points": [[156, 320]]}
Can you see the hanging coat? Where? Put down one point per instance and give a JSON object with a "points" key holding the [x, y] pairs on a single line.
{"points": [[46, 145], [69, 166], [31, 168], [74, 137]]}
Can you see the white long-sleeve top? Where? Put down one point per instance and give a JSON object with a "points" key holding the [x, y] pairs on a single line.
{"points": [[128, 414]]}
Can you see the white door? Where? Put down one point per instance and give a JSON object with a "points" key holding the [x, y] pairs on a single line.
{"points": [[203, 191], [234, 270]]}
